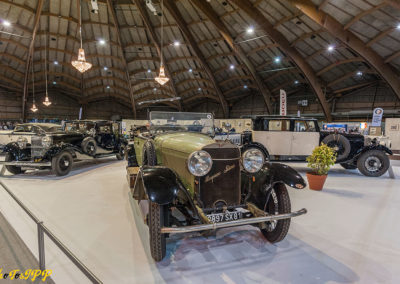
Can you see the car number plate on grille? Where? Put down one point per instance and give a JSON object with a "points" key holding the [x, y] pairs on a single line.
{"points": [[223, 217]]}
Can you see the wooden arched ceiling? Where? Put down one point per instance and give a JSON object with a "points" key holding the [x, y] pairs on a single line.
{"points": [[216, 57]]}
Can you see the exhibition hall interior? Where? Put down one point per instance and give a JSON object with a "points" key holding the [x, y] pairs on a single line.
{"points": [[199, 141]]}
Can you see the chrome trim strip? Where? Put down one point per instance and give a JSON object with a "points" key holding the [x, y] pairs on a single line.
{"points": [[26, 164], [240, 222]]}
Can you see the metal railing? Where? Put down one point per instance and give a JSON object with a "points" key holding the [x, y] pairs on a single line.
{"points": [[42, 229]]}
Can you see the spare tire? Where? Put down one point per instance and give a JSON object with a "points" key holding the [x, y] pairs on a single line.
{"points": [[340, 144], [89, 146]]}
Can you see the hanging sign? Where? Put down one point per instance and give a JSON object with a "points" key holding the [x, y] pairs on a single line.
{"points": [[283, 103], [377, 117]]}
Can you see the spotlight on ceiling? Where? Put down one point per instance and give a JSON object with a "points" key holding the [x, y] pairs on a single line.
{"points": [[199, 89], [102, 41], [232, 67], [155, 89], [148, 70], [108, 87], [250, 30], [177, 43], [359, 73], [55, 62], [245, 87], [398, 27], [277, 59], [6, 23], [190, 70], [296, 82], [331, 48], [105, 68], [54, 83]]}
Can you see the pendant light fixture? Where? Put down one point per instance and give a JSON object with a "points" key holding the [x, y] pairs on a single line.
{"points": [[162, 79], [81, 64], [33, 108], [46, 101]]}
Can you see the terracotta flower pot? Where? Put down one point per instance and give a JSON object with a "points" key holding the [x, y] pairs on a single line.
{"points": [[316, 182]]}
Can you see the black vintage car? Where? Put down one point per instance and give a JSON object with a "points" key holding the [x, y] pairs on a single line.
{"points": [[186, 181], [58, 150], [294, 138]]}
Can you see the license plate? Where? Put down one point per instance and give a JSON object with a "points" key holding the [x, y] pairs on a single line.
{"points": [[223, 217]]}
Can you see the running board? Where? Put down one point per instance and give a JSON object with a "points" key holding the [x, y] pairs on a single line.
{"points": [[234, 223], [26, 164]]}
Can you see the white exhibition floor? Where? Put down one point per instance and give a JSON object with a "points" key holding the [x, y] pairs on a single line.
{"points": [[351, 233]]}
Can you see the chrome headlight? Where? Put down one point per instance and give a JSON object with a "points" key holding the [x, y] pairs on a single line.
{"points": [[46, 141], [22, 141], [199, 163], [253, 160]]}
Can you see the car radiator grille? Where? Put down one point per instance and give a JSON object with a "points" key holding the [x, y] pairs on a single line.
{"points": [[221, 186], [37, 150]]}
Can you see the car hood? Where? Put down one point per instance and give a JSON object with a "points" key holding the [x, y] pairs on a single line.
{"points": [[6, 131], [186, 142]]}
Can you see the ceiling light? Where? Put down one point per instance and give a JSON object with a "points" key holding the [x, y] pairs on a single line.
{"points": [[331, 48], [190, 70], [250, 30], [81, 64], [398, 27], [277, 59], [155, 89], [6, 23], [34, 108], [108, 87], [46, 101], [232, 67], [359, 73], [199, 89], [102, 41], [148, 70], [55, 62], [161, 79], [245, 86], [105, 68], [54, 82], [177, 43], [296, 82]]}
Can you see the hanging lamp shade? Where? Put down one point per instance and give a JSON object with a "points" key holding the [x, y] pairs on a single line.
{"points": [[34, 108], [81, 64], [46, 101], [162, 79]]}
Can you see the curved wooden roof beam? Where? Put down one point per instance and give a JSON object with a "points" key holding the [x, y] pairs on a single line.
{"points": [[337, 63], [379, 36], [11, 70], [236, 78], [223, 30], [363, 14], [12, 57], [14, 42], [157, 45], [59, 74], [348, 75], [173, 10], [263, 47], [290, 51], [111, 78], [123, 59], [154, 84], [104, 88], [305, 35], [60, 83], [30, 54], [351, 40], [285, 19], [11, 81], [170, 104], [196, 89], [189, 99], [91, 98], [206, 81], [392, 57], [394, 3], [148, 89], [240, 88]]}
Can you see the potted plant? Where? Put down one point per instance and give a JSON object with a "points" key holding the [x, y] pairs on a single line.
{"points": [[320, 161]]}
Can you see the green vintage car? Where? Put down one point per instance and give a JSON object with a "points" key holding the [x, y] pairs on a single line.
{"points": [[185, 181]]}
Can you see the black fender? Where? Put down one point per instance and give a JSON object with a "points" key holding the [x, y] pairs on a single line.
{"points": [[131, 155], [372, 147], [256, 145], [159, 184], [56, 149], [16, 151], [258, 187]]}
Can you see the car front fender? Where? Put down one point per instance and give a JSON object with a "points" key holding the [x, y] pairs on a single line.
{"points": [[374, 147], [160, 184], [285, 174], [54, 150], [16, 151]]}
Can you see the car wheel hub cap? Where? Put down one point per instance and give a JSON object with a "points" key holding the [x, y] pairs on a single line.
{"points": [[373, 164]]}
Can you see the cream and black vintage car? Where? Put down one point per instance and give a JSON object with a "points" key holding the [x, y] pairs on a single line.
{"points": [[186, 181]]}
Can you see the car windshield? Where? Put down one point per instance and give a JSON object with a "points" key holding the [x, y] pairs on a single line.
{"points": [[79, 126], [181, 121], [36, 128]]}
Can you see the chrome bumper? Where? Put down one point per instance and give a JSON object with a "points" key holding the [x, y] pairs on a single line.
{"points": [[240, 222], [26, 164]]}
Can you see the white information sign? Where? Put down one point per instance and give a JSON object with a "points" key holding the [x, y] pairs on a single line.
{"points": [[377, 117]]}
